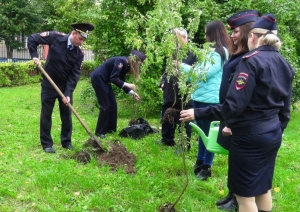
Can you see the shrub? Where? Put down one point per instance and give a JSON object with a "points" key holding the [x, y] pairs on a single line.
{"points": [[88, 67], [16, 74]]}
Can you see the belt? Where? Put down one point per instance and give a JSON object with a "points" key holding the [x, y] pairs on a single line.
{"points": [[259, 127]]}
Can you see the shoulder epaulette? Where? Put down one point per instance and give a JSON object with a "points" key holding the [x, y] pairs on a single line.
{"points": [[44, 34], [60, 33], [250, 55]]}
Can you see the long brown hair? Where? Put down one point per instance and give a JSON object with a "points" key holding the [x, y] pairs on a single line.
{"points": [[134, 66], [216, 32], [242, 46]]}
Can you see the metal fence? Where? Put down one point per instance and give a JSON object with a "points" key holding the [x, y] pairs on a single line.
{"points": [[22, 54]]}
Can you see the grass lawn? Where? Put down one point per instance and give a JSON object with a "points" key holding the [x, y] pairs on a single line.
{"points": [[32, 180]]}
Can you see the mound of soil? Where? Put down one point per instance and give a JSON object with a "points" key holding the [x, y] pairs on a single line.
{"points": [[117, 156], [166, 207]]}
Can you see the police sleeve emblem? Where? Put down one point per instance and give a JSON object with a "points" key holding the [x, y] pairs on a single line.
{"points": [[120, 65], [241, 81]]}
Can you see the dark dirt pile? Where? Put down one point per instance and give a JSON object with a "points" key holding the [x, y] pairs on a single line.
{"points": [[167, 207], [117, 156]]}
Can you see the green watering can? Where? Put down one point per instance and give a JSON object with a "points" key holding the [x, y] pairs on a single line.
{"points": [[210, 142]]}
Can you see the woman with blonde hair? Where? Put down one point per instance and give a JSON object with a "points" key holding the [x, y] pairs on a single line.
{"points": [[240, 25], [257, 109]]}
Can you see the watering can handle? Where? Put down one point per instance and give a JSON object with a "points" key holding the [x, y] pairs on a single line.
{"points": [[214, 123]]}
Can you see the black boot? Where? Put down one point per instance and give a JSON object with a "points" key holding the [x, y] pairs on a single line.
{"points": [[232, 205], [225, 199], [198, 166], [204, 173]]}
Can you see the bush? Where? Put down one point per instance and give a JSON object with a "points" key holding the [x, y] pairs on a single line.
{"points": [[23, 73], [88, 67], [16, 74]]}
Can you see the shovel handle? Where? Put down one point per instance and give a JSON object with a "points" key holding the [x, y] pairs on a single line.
{"points": [[68, 104]]}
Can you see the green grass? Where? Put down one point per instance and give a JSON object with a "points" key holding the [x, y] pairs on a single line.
{"points": [[32, 180]]}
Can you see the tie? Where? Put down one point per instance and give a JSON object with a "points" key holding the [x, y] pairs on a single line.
{"points": [[70, 46]]}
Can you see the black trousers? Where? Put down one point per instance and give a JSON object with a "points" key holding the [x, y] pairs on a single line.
{"points": [[168, 129], [48, 98], [107, 118]]}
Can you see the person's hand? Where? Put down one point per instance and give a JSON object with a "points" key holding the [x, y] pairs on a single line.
{"points": [[66, 100], [162, 85], [135, 95], [129, 85], [37, 61], [187, 115], [226, 131]]}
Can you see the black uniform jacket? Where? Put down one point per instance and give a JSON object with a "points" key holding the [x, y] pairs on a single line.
{"points": [[113, 71], [260, 90], [171, 90], [62, 65]]}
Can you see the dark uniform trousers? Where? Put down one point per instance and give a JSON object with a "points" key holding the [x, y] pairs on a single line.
{"points": [[48, 97], [107, 119]]}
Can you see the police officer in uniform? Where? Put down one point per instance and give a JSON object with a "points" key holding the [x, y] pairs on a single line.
{"points": [[63, 65], [257, 107], [114, 71], [240, 24]]}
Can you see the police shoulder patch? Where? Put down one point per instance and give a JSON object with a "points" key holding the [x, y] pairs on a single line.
{"points": [[60, 33], [250, 55], [241, 81], [44, 34], [120, 65]]}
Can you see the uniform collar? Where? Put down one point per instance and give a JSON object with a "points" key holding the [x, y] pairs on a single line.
{"points": [[265, 48], [69, 42]]}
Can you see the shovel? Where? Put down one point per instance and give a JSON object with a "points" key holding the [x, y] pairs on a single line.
{"points": [[93, 137]]}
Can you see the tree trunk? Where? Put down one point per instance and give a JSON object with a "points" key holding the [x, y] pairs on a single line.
{"points": [[9, 52]]}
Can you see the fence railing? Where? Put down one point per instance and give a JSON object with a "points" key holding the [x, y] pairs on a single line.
{"points": [[22, 54]]}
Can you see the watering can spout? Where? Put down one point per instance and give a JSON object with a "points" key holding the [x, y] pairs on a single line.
{"points": [[210, 141]]}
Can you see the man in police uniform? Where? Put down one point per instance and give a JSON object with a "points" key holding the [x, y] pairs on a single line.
{"points": [[63, 65]]}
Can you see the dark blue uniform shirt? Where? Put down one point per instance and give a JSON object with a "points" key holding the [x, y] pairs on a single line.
{"points": [[113, 71], [260, 90], [228, 72], [63, 65]]}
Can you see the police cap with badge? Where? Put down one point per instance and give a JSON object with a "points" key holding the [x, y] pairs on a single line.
{"points": [[242, 17], [83, 28]]}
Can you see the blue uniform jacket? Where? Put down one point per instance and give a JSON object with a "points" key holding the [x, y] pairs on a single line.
{"points": [[227, 75], [62, 65], [260, 90], [113, 71]]}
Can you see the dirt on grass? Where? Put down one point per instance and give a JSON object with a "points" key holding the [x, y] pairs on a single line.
{"points": [[116, 156]]}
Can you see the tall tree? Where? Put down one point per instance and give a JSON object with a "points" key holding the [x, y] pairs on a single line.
{"points": [[18, 18]]}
